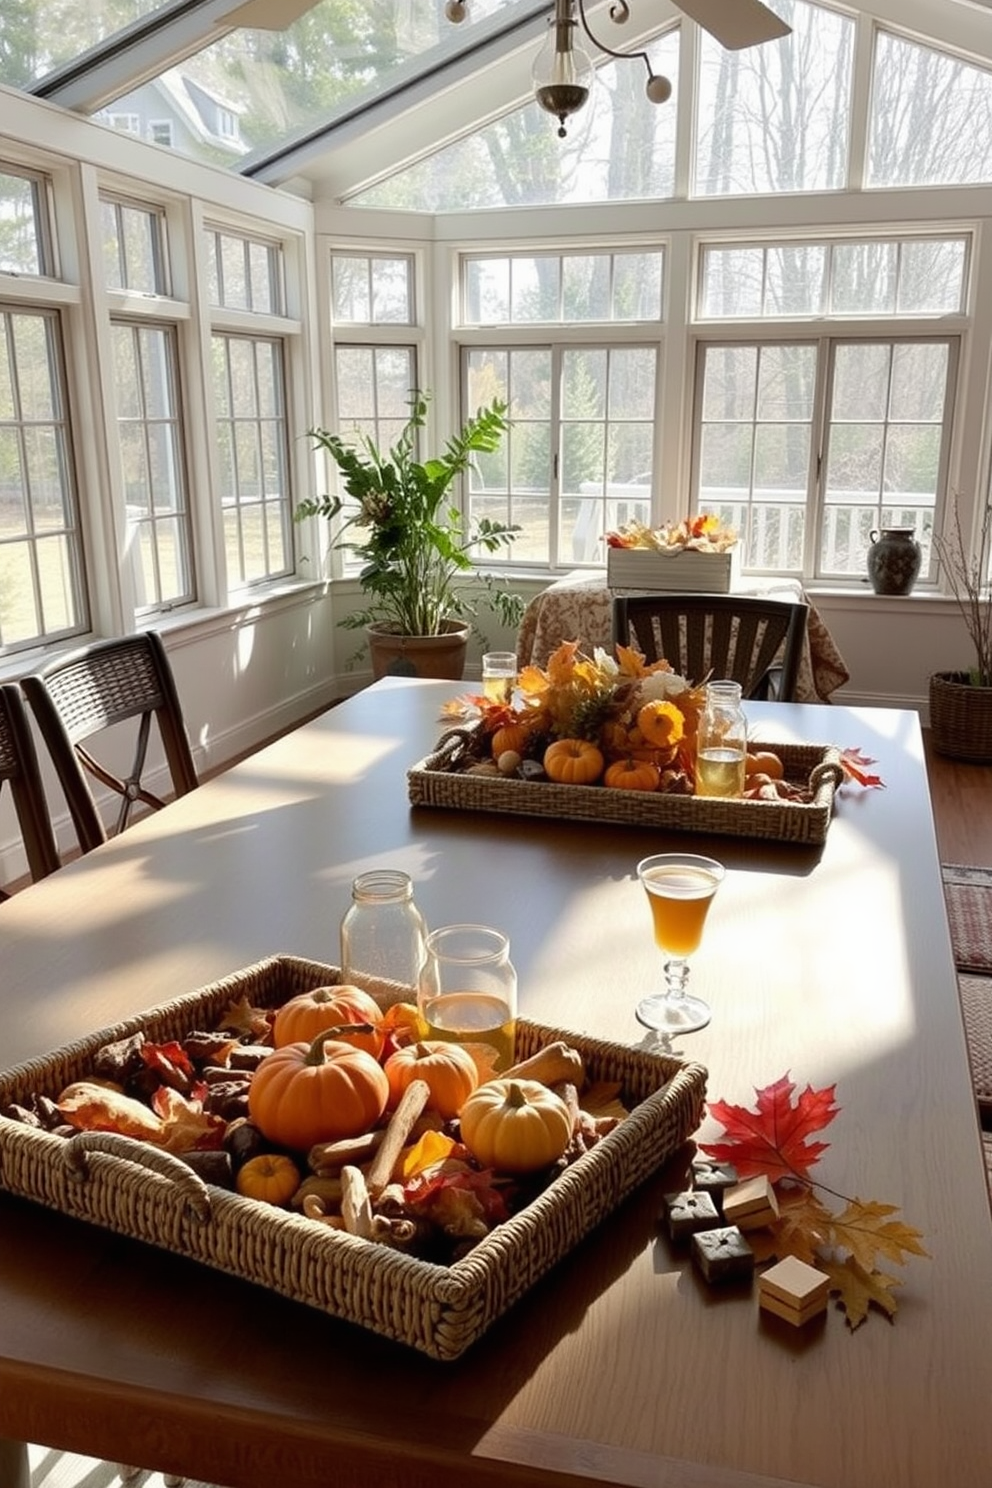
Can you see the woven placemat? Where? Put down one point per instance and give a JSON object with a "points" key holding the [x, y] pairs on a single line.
{"points": [[968, 894]]}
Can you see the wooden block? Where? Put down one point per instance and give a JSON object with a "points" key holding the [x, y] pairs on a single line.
{"points": [[795, 1284], [688, 1212], [751, 1204], [797, 1316], [722, 1254]]}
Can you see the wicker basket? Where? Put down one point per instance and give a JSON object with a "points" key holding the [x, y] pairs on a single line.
{"points": [[136, 1190], [437, 781], [961, 717]]}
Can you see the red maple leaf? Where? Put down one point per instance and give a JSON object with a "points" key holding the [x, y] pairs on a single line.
{"points": [[854, 763], [774, 1138]]}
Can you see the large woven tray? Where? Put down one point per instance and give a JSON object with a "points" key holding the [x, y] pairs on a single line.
{"points": [[135, 1190], [436, 781]]}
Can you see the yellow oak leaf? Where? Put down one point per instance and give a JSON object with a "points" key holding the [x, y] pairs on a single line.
{"points": [[865, 1230], [802, 1226], [251, 1022], [858, 1290]]}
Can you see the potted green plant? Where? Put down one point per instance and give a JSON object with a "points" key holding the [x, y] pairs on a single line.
{"points": [[961, 701], [419, 573]]}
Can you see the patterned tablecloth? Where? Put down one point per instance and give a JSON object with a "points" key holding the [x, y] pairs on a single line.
{"points": [[578, 607]]}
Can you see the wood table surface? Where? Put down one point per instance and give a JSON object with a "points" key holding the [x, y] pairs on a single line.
{"points": [[833, 964]]}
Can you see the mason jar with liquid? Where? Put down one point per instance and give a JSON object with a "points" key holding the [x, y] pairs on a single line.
{"points": [[721, 742], [468, 990]]}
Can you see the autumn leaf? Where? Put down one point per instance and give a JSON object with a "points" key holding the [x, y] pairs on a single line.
{"points": [[857, 1290], [855, 767], [602, 1098], [186, 1126], [866, 1232], [170, 1062], [247, 1021], [803, 1225], [774, 1138]]}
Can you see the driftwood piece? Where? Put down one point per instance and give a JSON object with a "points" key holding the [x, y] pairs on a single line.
{"points": [[356, 1207], [401, 1124], [551, 1065]]}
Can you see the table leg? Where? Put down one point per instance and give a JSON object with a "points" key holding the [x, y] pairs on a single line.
{"points": [[15, 1471]]}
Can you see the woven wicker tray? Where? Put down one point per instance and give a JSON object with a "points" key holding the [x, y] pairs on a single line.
{"points": [[435, 781], [135, 1190]]}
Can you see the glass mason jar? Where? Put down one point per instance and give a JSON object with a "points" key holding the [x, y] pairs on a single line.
{"points": [[468, 990], [721, 742], [383, 934]]}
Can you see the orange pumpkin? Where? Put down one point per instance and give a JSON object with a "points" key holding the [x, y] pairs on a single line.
{"points": [[304, 1016], [632, 774], [272, 1177], [447, 1068], [764, 762], [573, 762], [661, 723], [319, 1092], [509, 736]]}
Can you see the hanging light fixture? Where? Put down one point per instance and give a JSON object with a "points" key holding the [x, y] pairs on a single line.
{"points": [[563, 73]]}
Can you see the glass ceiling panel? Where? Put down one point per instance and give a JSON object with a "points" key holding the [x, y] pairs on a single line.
{"points": [[619, 147], [250, 90], [39, 36]]}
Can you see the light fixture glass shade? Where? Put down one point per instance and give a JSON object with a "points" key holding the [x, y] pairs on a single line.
{"points": [[562, 72]]}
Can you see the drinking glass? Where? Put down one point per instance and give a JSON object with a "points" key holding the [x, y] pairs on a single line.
{"points": [[467, 991], [499, 675], [680, 889]]}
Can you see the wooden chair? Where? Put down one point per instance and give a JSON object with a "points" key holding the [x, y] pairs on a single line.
{"points": [[19, 769], [756, 642], [98, 687]]}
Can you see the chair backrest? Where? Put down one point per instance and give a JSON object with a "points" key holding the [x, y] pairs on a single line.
{"points": [[20, 771], [90, 690], [756, 642]]}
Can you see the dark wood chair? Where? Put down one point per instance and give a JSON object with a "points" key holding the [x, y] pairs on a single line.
{"points": [[756, 642], [97, 688], [19, 769]]}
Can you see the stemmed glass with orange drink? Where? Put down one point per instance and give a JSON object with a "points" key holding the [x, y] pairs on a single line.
{"points": [[680, 889]]}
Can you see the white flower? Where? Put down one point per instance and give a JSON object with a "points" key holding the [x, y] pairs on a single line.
{"points": [[605, 664], [662, 685]]}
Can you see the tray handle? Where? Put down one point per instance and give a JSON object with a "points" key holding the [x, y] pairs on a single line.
{"points": [[450, 746], [825, 771], [193, 1190]]}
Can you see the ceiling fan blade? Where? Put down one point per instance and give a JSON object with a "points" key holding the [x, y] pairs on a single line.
{"points": [[267, 15], [735, 23]]}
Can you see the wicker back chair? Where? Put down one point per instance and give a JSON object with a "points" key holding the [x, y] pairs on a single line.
{"points": [[103, 685], [756, 642], [20, 771]]}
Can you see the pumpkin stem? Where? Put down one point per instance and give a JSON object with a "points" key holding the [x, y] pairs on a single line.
{"points": [[515, 1096], [340, 1031]]}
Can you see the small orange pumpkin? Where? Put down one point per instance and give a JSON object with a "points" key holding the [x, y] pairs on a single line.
{"points": [[632, 774], [573, 762], [272, 1177], [309, 1013], [509, 736], [303, 1093], [447, 1068], [661, 723]]}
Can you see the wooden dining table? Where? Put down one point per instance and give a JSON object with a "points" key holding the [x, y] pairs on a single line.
{"points": [[831, 964]]}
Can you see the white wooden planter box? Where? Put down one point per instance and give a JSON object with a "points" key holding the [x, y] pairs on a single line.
{"points": [[641, 570]]}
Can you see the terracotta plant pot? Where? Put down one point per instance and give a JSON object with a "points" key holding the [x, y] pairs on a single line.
{"points": [[439, 656], [961, 717]]}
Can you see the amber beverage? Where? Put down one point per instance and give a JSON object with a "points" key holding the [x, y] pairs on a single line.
{"points": [[680, 897]]}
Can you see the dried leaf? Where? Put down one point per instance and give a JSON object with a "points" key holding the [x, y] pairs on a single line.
{"points": [[186, 1127], [602, 1098], [854, 764], [426, 1153], [803, 1225], [858, 1290], [865, 1230], [774, 1138], [247, 1021], [91, 1107], [171, 1063]]}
